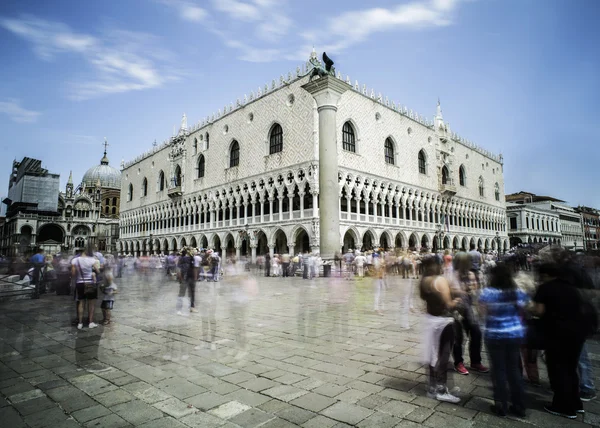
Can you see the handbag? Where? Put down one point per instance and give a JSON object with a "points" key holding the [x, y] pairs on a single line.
{"points": [[88, 287]]}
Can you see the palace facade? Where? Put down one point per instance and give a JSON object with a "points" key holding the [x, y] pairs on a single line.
{"points": [[246, 180]]}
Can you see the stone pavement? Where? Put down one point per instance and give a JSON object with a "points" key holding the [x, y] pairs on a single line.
{"points": [[316, 355]]}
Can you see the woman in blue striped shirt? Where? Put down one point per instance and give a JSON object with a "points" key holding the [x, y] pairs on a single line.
{"points": [[502, 304]]}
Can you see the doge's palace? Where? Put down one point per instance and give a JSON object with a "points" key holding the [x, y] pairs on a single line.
{"points": [[246, 179]]}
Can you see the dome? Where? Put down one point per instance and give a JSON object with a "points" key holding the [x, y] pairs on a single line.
{"points": [[110, 178]]}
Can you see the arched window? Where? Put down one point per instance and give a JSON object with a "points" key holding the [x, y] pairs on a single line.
{"points": [[201, 165], [234, 154], [422, 162], [161, 181], [462, 176], [389, 151], [276, 139], [445, 175], [497, 191], [481, 190], [195, 145], [114, 210], [130, 192], [207, 139], [348, 138], [114, 201], [145, 187], [177, 177]]}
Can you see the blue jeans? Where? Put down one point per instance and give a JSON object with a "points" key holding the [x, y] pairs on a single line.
{"points": [[586, 375], [505, 359]]}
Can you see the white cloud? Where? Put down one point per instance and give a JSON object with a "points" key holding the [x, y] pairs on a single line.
{"points": [[16, 113], [188, 10], [238, 10], [121, 60]]}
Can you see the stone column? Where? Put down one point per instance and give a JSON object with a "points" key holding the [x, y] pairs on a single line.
{"points": [[301, 204], [327, 91], [315, 196], [271, 208]]}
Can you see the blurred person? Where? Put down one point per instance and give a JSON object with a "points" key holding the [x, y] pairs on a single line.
{"points": [[476, 262], [349, 263], [187, 281], [558, 303], [207, 297], [465, 285], [84, 269], [312, 262], [268, 264], [379, 285], [448, 268], [337, 306], [501, 303], [438, 328], [38, 262], [360, 262], [171, 264], [108, 300], [215, 263], [285, 265]]}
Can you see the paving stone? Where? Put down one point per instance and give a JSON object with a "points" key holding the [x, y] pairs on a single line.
{"points": [[146, 393], [284, 392], [397, 408], [295, 415], [319, 421], [91, 413], [419, 414], [248, 397], [397, 395], [258, 384], [238, 377], [347, 413], [290, 378], [136, 412], [174, 407], [92, 384], [379, 420], [365, 386], [216, 369], [423, 401], [169, 422], [11, 418], [251, 418], [25, 396], [201, 419], [309, 384], [224, 388], [70, 398], [32, 406], [112, 398], [229, 409], [206, 400], [50, 417], [457, 410], [313, 402], [352, 395], [108, 421], [16, 387], [279, 423], [373, 401], [179, 387], [329, 390], [272, 374], [442, 420]]}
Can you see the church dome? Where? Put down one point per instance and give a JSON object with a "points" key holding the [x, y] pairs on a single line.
{"points": [[110, 178]]}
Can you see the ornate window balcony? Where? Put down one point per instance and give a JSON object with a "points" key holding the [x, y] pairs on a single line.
{"points": [[174, 191]]}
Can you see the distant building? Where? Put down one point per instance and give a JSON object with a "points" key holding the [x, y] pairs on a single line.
{"points": [[40, 215], [543, 219], [591, 227]]}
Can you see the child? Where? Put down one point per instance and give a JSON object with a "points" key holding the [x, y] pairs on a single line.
{"points": [[108, 300]]}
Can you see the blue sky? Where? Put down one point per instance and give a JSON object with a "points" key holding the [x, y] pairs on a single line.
{"points": [[517, 77]]}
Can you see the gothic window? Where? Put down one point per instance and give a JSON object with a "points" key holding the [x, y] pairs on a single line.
{"points": [[177, 178], [130, 192], [234, 154], [389, 151], [201, 165], [462, 176], [348, 138], [114, 210], [145, 187], [497, 191], [445, 175], [195, 145], [114, 201], [481, 190], [161, 181], [276, 139], [422, 163], [207, 138]]}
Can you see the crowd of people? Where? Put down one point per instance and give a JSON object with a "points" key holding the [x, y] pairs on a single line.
{"points": [[516, 305]]}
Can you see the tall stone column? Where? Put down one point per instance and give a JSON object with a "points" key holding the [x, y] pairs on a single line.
{"points": [[327, 91]]}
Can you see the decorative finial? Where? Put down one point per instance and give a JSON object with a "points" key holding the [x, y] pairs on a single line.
{"points": [[155, 143]]}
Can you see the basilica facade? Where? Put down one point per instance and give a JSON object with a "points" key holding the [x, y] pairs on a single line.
{"points": [[39, 215], [245, 181]]}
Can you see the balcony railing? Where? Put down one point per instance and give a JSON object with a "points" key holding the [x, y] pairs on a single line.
{"points": [[174, 191]]}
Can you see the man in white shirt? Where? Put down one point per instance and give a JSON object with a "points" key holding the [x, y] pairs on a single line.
{"points": [[360, 261]]}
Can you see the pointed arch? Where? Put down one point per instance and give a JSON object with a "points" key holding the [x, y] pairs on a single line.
{"points": [[390, 151], [497, 192], [481, 187], [130, 192], [445, 175], [161, 181], [145, 187], [177, 177]]}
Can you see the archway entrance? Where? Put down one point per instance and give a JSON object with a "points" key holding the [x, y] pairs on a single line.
{"points": [[50, 238], [367, 241], [399, 241], [456, 243], [302, 244], [217, 244], [384, 241], [412, 242], [425, 241], [349, 241], [244, 248], [229, 246], [193, 242], [204, 242], [280, 240], [261, 243], [446, 243], [174, 245]]}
